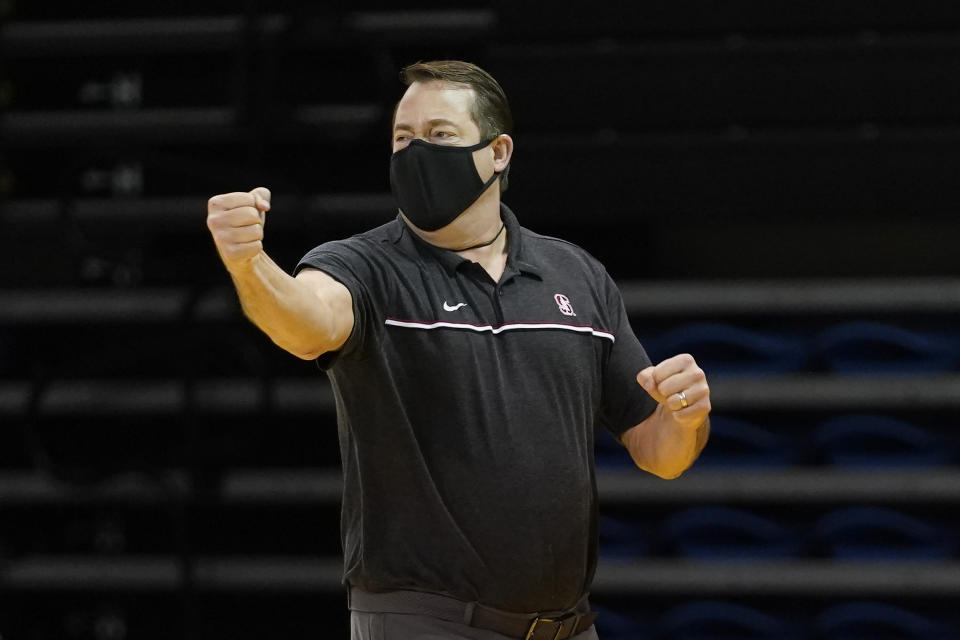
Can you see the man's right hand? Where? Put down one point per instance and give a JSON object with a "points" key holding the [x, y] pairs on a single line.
{"points": [[236, 222]]}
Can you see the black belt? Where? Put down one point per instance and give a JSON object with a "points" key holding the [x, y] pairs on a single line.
{"points": [[557, 625]]}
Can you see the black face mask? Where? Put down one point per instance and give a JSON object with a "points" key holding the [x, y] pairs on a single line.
{"points": [[435, 183]]}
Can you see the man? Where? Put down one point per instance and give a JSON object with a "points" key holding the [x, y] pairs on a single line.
{"points": [[471, 360]]}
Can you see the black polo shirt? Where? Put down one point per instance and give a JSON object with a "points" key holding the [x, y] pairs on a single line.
{"points": [[466, 411]]}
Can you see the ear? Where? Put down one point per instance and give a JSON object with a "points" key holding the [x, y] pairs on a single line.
{"points": [[502, 152]]}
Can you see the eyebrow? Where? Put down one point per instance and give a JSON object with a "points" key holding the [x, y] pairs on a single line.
{"points": [[434, 122]]}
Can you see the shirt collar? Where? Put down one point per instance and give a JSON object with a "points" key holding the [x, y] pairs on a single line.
{"points": [[410, 242]]}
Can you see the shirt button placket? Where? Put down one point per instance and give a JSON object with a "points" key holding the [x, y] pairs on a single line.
{"points": [[495, 299]]}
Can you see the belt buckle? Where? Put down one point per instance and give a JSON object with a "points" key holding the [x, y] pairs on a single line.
{"points": [[561, 619]]}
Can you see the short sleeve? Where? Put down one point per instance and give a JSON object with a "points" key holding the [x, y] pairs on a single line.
{"points": [[625, 403], [345, 264]]}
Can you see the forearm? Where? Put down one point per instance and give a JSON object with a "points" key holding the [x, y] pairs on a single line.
{"points": [[662, 447], [294, 316]]}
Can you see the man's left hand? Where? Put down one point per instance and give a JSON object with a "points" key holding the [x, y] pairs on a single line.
{"points": [[680, 386]]}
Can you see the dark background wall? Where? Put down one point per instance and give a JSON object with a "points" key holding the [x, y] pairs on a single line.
{"points": [[772, 184]]}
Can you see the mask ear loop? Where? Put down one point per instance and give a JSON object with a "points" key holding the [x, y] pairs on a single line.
{"points": [[448, 147], [486, 185], [481, 144], [496, 174]]}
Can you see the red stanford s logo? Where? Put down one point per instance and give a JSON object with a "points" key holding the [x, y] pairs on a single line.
{"points": [[564, 303]]}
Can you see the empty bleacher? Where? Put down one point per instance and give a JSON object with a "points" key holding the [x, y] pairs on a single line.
{"points": [[772, 185]]}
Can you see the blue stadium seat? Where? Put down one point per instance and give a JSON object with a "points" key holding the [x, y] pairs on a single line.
{"points": [[876, 348], [725, 349], [610, 454], [869, 533], [868, 440], [709, 620], [623, 539], [617, 625], [722, 533], [738, 443], [859, 620]]}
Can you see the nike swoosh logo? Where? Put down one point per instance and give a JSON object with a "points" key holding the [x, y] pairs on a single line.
{"points": [[447, 307]]}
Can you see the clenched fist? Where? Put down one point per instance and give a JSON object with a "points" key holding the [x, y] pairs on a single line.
{"points": [[680, 386], [236, 222]]}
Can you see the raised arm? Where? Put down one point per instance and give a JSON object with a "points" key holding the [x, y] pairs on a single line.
{"points": [[307, 315]]}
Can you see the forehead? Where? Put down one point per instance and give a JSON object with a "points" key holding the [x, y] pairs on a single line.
{"points": [[425, 101]]}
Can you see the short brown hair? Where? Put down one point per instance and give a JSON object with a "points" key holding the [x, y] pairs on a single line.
{"points": [[490, 109]]}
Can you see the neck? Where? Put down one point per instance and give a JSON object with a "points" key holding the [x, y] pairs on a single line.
{"points": [[480, 245], [474, 229], [488, 253]]}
